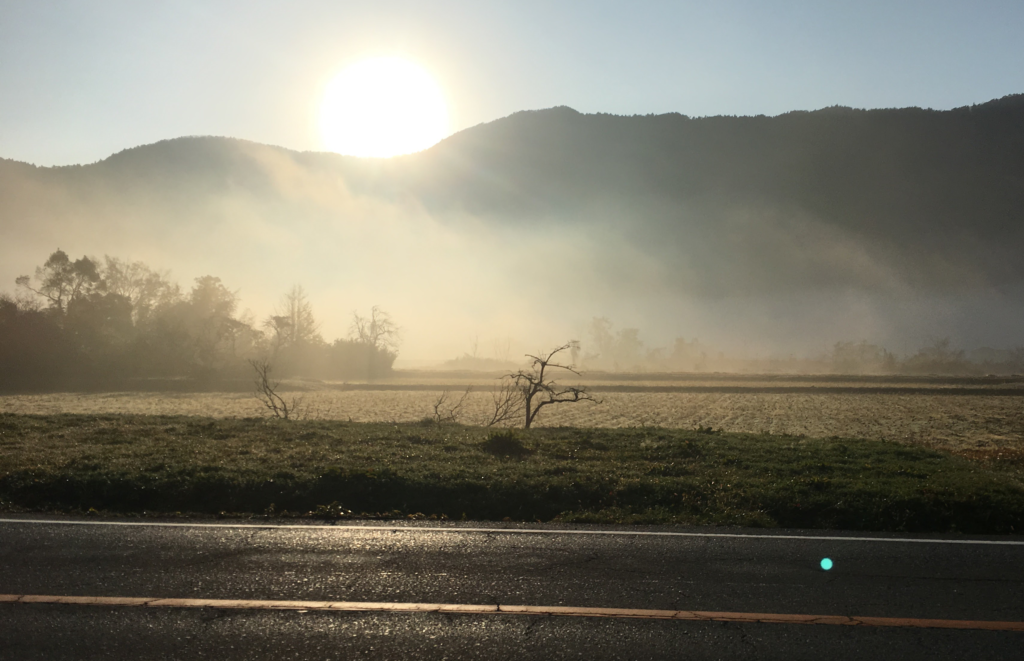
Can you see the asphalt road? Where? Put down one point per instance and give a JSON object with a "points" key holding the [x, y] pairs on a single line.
{"points": [[896, 579]]}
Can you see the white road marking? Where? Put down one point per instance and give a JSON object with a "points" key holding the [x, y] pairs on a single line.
{"points": [[524, 531]]}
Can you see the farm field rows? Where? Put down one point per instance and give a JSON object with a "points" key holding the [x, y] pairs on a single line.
{"points": [[953, 422], [454, 379]]}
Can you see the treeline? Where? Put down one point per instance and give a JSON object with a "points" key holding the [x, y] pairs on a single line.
{"points": [[622, 350], [939, 357], [86, 322]]}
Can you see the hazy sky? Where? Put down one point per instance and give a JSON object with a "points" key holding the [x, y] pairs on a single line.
{"points": [[81, 80]]}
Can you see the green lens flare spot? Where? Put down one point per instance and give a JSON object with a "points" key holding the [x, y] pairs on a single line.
{"points": [[826, 563]]}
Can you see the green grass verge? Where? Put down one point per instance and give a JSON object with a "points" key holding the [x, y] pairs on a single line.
{"points": [[122, 463]]}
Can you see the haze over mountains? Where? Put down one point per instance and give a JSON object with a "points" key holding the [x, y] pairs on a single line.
{"points": [[773, 234]]}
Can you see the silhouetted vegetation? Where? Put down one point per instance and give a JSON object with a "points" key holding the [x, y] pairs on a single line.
{"points": [[523, 393], [266, 391], [84, 323], [649, 475]]}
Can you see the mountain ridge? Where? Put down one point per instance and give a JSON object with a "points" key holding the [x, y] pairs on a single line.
{"points": [[1014, 101], [930, 200]]}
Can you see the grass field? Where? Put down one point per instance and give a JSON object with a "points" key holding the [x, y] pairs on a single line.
{"points": [[891, 453], [960, 422], [331, 469]]}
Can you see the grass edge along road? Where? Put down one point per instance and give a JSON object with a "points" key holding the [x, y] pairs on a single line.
{"points": [[331, 469]]}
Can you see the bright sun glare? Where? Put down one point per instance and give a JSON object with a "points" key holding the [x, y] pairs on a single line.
{"points": [[382, 107]]}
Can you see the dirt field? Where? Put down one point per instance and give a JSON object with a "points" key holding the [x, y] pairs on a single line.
{"points": [[963, 421]]}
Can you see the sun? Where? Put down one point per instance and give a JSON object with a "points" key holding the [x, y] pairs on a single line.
{"points": [[382, 107]]}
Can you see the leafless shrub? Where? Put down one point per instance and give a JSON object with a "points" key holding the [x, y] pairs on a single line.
{"points": [[526, 392], [448, 410], [507, 403], [266, 393]]}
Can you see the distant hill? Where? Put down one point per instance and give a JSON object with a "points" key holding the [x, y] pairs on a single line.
{"points": [[932, 199], [889, 202], [862, 198]]}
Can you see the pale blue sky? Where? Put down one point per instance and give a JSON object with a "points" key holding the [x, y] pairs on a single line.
{"points": [[81, 80]]}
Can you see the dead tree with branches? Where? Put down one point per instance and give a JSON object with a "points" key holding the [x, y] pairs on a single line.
{"points": [[507, 402], [526, 392]]}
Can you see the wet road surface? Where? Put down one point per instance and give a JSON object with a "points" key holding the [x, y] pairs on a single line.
{"points": [[766, 574]]}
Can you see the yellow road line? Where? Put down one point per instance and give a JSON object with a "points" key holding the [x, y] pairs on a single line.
{"points": [[473, 609]]}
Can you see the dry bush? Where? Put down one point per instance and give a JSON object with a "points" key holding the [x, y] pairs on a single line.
{"points": [[295, 408], [527, 391], [448, 410]]}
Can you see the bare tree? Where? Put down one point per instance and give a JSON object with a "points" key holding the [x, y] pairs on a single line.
{"points": [[379, 335], [145, 288], [507, 402], [447, 409], [527, 391], [266, 393], [293, 323], [377, 330]]}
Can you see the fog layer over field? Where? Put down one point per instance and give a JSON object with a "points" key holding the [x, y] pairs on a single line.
{"points": [[758, 236]]}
